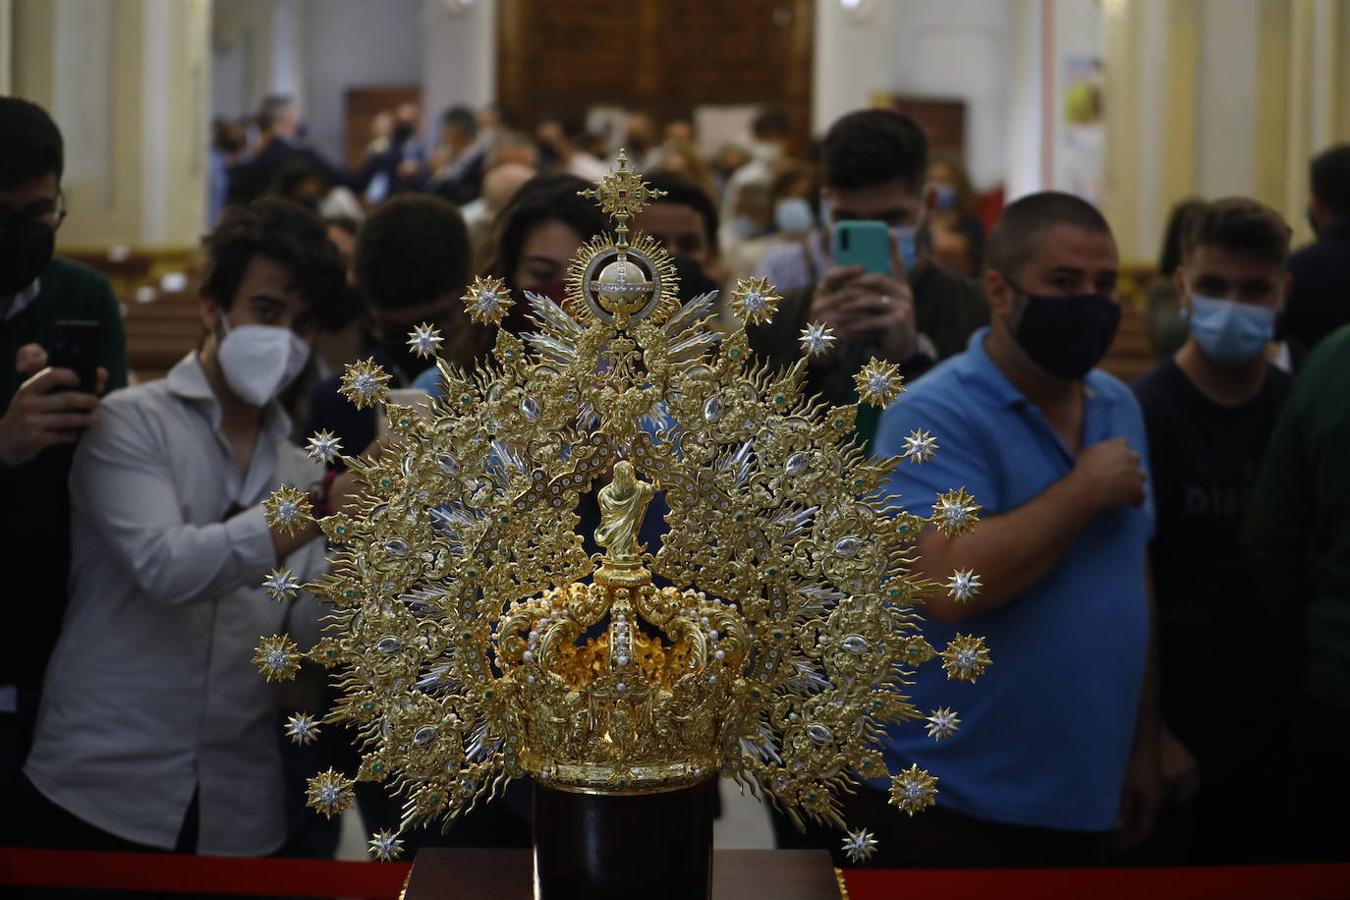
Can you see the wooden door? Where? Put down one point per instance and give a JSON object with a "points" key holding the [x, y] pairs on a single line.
{"points": [[657, 56]]}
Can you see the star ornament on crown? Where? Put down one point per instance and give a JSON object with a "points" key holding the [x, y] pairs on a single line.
{"points": [[769, 638]]}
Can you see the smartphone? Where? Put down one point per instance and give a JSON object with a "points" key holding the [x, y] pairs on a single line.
{"points": [[75, 345], [862, 243]]}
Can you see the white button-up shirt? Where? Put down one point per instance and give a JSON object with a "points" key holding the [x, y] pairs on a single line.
{"points": [[151, 693]]}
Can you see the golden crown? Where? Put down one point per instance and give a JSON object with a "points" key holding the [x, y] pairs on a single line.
{"points": [[477, 641]]}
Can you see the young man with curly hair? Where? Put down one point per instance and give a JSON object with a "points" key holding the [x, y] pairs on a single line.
{"points": [[155, 732]]}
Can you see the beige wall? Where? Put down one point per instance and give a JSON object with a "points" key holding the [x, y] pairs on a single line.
{"points": [[1216, 97], [128, 82]]}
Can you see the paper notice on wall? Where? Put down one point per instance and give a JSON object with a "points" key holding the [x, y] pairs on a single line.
{"points": [[717, 126]]}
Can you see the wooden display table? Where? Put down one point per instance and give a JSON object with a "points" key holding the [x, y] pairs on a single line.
{"points": [[452, 874]]}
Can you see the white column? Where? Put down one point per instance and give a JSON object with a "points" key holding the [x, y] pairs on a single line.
{"points": [[459, 57], [176, 74], [853, 50], [1025, 144], [6, 44], [1227, 107], [126, 81]]}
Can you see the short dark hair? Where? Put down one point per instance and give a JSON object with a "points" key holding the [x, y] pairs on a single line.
{"points": [[770, 123], [30, 143], [286, 233], [292, 175], [462, 119], [1169, 255], [551, 197], [412, 249], [873, 146], [1013, 241], [1238, 224], [269, 109], [544, 198], [1330, 175], [680, 191]]}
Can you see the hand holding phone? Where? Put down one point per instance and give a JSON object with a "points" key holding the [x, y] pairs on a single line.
{"points": [[866, 295], [75, 346], [47, 409]]}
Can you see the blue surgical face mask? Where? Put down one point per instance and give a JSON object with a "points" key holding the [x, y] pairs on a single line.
{"points": [[1230, 333], [742, 227], [792, 216], [906, 238], [944, 196]]}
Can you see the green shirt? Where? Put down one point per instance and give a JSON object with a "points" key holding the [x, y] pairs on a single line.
{"points": [[1300, 522], [34, 502]]}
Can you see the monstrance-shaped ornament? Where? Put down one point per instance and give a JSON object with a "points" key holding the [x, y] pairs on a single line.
{"points": [[768, 639]]}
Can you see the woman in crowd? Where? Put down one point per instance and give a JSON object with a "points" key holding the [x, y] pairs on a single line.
{"points": [[535, 238], [958, 233]]}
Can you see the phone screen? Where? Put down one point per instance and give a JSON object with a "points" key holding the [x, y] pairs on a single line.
{"points": [[75, 346]]}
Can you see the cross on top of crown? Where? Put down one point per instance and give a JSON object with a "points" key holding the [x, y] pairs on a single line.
{"points": [[622, 194]]}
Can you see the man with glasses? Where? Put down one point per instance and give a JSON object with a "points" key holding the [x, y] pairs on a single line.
{"points": [[41, 415]]}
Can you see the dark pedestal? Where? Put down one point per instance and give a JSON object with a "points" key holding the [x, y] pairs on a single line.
{"points": [[607, 848], [451, 874]]}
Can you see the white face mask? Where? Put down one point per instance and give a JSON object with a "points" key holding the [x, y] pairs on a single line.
{"points": [[258, 361]]}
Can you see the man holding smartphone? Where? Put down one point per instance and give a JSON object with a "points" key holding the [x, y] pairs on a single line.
{"points": [[42, 414], [902, 307]]}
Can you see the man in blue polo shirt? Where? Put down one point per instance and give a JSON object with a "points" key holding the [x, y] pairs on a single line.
{"points": [[1058, 744]]}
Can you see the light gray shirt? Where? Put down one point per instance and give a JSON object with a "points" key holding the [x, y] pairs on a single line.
{"points": [[151, 693]]}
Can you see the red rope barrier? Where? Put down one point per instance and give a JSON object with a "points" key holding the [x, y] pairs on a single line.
{"points": [[384, 881], [202, 874]]}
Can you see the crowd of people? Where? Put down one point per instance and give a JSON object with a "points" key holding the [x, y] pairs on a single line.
{"points": [[1165, 565]]}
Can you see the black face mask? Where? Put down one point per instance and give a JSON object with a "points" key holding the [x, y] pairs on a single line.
{"points": [[1067, 335], [25, 250]]}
